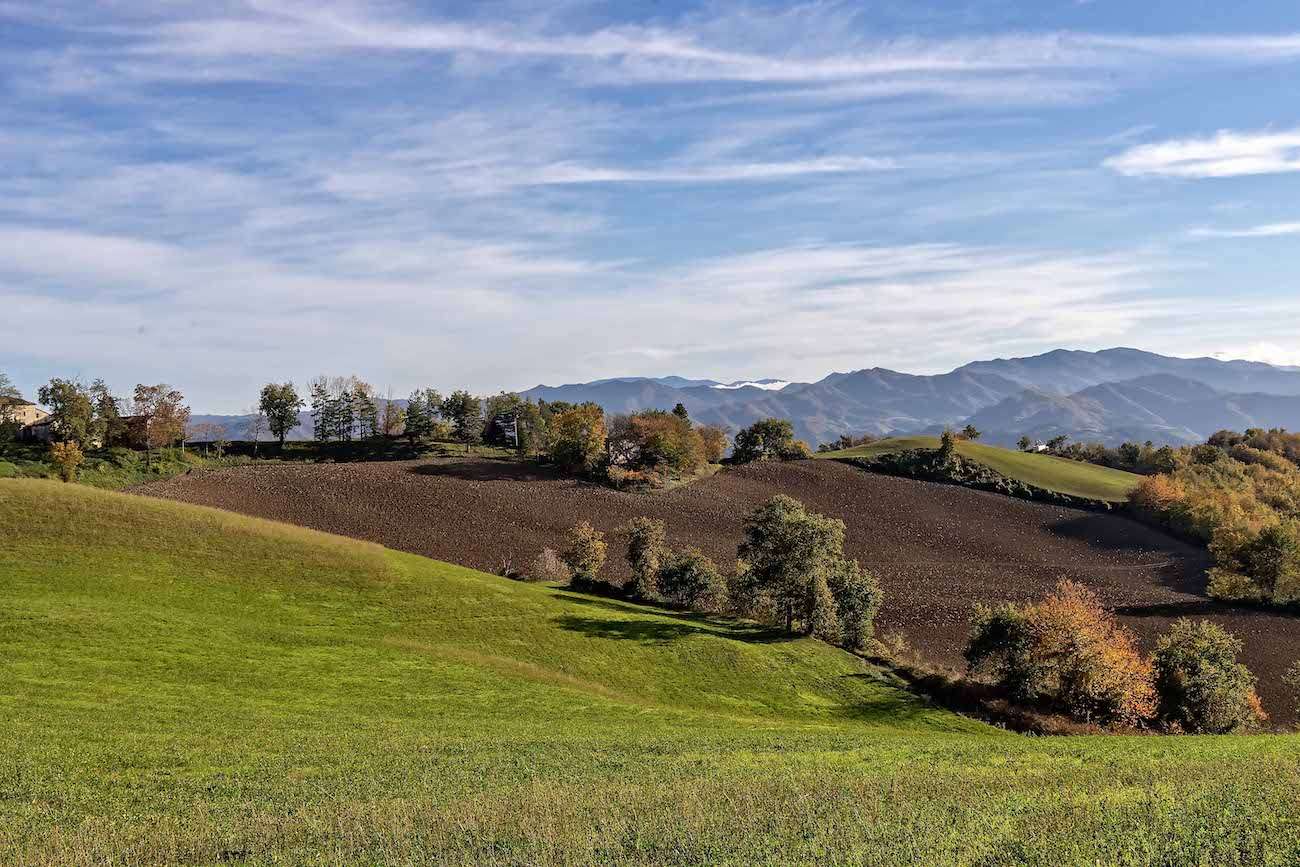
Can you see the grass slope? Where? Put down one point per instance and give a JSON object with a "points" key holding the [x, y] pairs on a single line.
{"points": [[180, 684], [1055, 474]]}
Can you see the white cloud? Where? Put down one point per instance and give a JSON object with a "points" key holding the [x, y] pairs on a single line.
{"points": [[573, 174], [1268, 230], [1226, 154]]}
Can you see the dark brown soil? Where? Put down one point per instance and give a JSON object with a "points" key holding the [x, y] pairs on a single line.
{"points": [[937, 549]]}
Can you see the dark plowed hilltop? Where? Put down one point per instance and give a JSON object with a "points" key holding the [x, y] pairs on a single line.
{"points": [[937, 549]]}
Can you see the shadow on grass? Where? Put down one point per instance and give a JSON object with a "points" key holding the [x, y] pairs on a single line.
{"points": [[668, 625]]}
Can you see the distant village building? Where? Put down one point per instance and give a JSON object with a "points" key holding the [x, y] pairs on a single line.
{"points": [[33, 422]]}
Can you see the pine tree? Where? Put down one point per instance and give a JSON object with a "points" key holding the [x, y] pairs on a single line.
{"points": [[322, 423]]}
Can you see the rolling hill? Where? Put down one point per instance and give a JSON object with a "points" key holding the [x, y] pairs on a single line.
{"points": [[181, 684], [1044, 471]]}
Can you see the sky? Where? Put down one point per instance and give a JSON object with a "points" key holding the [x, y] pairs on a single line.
{"points": [[496, 194]]}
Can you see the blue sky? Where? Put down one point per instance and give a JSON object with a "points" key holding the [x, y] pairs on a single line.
{"points": [[496, 194]]}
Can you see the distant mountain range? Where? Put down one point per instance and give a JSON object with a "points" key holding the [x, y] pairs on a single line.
{"points": [[1108, 396]]}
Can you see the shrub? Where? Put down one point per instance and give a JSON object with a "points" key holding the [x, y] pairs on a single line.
{"points": [[548, 566], [584, 554], [1066, 651], [691, 580], [646, 552], [1202, 686], [794, 451], [1157, 495], [67, 456], [8, 470]]}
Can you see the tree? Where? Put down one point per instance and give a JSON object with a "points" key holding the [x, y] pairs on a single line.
{"points": [[367, 410], [646, 551], [970, 432], [8, 389], [67, 456], [765, 440], [1024, 444], [465, 413], [1056, 443], [857, 601], [72, 413], [795, 558], [322, 410], [584, 554], [255, 427], [1202, 686], [714, 442], [419, 414], [108, 415], [164, 413], [576, 438], [279, 405], [392, 417], [345, 412], [680, 411], [691, 580]]}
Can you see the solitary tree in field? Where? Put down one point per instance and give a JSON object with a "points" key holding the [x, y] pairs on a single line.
{"points": [[1024, 444], [767, 439], [279, 404], [970, 432]]}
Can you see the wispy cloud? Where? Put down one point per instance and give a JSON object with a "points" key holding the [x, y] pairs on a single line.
{"points": [[1224, 155], [1268, 230]]}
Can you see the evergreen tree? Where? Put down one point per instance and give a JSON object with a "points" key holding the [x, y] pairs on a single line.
{"points": [[465, 412], [322, 413]]}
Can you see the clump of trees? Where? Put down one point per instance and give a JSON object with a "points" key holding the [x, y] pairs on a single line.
{"points": [[769, 439], [343, 408], [1067, 653], [1244, 503], [653, 446], [791, 571], [847, 441]]}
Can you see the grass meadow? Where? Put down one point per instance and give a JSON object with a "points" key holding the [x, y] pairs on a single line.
{"points": [[1045, 471], [184, 685]]}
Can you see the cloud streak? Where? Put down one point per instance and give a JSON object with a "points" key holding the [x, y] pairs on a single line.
{"points": [[1226, 154]]}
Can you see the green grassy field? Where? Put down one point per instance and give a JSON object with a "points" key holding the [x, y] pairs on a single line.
{"points": [[184, 685], [1055, 474]]}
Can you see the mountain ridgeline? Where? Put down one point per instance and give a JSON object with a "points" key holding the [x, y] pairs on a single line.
{"points": [[1108, 396]]}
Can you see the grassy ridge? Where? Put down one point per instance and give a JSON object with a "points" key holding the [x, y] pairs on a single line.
{"points": [[184, 684], [1055, 474]]}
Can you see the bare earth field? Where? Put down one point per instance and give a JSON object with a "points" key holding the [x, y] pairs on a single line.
{"points": [[937, 549]]}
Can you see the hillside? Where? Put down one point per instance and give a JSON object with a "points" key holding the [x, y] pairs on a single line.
{"points": [[180, 684], [937, 549], [1044, 471]]}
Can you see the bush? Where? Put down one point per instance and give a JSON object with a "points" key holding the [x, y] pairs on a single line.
{"points": [[1202, 686], [1068, 652], [67, 457], [548, 566], [584, 554], [691, 580], [8, 470], [646, 552]]}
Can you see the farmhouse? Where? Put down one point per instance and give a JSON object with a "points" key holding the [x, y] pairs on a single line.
{"points": [[33, 422]]}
